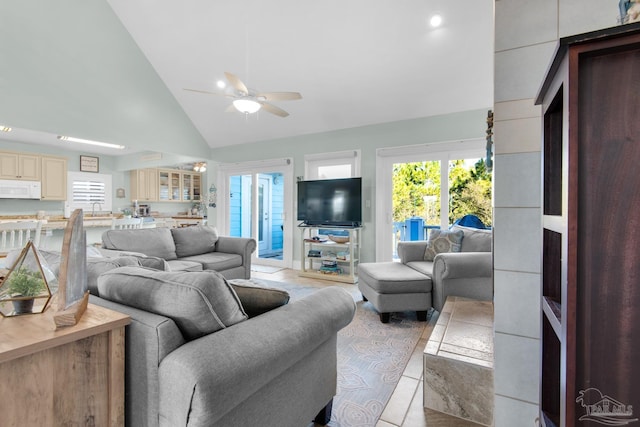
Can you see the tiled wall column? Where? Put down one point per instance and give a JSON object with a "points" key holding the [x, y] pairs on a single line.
{"points": [[526, 33]]}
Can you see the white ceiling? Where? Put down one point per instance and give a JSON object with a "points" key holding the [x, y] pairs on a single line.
{"points": [[355, 62]]}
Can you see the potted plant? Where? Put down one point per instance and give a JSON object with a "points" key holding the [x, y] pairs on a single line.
{"points": [[127, 212], [24, 284]]}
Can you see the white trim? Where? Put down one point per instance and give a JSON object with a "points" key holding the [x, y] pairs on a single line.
{"points": [[254, 164], [386, 157], [436, 147], [313, 161], [253, 168]]}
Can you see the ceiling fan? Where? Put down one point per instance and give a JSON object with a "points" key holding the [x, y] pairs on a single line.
{"points": [[249, 101]]}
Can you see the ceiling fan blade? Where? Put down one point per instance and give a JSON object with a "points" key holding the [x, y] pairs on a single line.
{"points": [[231, 109], [206, 92], [274, 110], [280, 96], [236, 83]]}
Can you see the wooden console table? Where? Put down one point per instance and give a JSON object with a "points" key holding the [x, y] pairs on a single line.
{"points": [[69, 376]]}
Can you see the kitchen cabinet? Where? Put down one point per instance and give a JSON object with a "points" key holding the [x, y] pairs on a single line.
{"points": [[144, 185], [20, 166], [169, 185], [54, 178], [191, 186]]}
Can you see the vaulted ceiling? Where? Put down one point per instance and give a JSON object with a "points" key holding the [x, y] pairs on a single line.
{"points": [[116, 70]]}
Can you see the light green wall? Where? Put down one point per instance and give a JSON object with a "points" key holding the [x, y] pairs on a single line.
{"points": [[69, 67], [450, 127]]}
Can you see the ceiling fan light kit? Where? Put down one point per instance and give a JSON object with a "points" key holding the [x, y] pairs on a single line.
{"points": [[247, 106]]}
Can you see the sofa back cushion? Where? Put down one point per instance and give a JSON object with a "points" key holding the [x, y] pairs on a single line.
{"points": [[194, 240], [156, 242], [442, 241], [199, 302], [475, 240]]}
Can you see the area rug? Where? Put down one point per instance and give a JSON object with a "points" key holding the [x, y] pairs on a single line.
{"points": [[371, 358]]}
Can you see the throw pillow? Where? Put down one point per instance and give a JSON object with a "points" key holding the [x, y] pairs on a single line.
{"points": [[194, 240], [475, 239], [443, 241], [256, 298], [199, 302], [97, 266]]}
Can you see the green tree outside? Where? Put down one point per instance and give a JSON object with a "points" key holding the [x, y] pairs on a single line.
{"points": [[416, 191]]}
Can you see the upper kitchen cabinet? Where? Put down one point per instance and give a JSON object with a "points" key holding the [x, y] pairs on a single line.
{"points": [[191, 186], [169, 189], [54, 178], [144, 185], [19, 166]]}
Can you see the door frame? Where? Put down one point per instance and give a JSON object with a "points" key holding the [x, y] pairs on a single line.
{"points": [[255, 168], [387, 157], [266, 223]]}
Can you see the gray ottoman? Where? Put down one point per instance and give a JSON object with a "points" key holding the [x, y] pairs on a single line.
{"points": [[393, 286]]}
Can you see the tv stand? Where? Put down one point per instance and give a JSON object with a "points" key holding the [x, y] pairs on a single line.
{"points": [[325, 259]]}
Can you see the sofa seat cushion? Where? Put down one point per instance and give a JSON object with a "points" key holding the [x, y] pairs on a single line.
{"points": [[218, 261], [195, 240], [156, 242], [182, 265], [424, 267], [475, 240], [199, 302], [257, 298], [393, 278]]}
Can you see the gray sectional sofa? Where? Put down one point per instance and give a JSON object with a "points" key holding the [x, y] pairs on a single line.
{"points": [[205, 351], [194, 358], [419, 282], [193, 248]]}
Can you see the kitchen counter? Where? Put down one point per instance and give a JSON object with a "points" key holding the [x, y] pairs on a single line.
{"points": [[59, 222]]}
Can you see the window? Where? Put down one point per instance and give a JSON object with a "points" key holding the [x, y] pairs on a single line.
{"points": [[85, 189], [341, 164]]}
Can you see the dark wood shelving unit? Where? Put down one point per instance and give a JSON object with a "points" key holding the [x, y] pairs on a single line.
{"points": [[591, 228]]}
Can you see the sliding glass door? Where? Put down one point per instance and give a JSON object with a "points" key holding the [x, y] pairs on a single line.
{"points": [[428, 187]]}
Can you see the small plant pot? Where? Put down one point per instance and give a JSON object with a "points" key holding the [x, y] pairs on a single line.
{"points": [[23, 306]]}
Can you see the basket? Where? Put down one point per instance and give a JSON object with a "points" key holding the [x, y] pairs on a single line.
{"points": [[339, 239]]}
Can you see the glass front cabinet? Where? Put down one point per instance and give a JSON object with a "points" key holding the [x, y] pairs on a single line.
{"points": [[169, 186], [191, 186]]}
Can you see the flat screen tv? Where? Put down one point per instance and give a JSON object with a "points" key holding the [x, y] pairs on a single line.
{"points": [[332, 202]]}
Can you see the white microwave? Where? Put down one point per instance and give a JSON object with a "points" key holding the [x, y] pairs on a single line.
{"points": [[13, 189]]}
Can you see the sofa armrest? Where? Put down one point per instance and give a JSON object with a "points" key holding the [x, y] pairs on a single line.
{"points": [[206, 378], [242, 246], [464, 274], [456, 265], [148, 339], [412, 251]]}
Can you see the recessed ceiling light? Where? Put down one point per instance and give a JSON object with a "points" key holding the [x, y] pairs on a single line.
{"points": [[90, 142], [436, 20], [221, 84]]}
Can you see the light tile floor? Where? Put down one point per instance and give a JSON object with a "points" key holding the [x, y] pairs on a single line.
{"points": [[405, 407]]}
